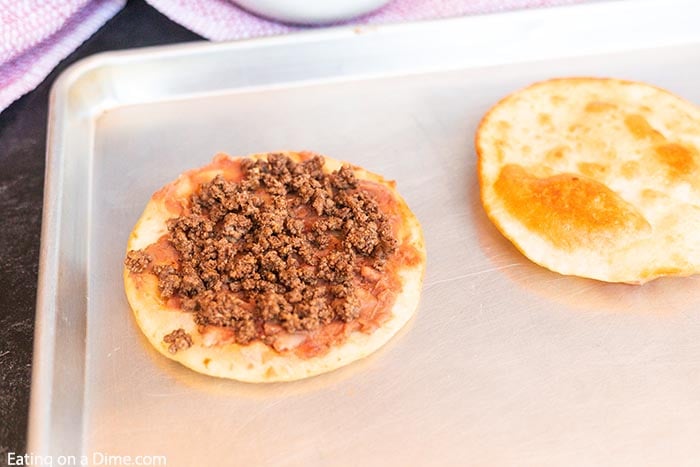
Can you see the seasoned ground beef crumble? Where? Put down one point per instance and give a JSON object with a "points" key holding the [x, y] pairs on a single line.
{"points": [[279, 250], [178, 340]]}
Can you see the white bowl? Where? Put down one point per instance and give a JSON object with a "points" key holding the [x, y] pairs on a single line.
{"points": [[311, 11]]}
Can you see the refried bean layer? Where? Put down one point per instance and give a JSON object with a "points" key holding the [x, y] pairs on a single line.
{"points": [[280, 250]]}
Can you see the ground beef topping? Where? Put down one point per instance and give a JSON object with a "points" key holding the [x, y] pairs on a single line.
{"points": [[178, 340], [279, 250], [137, 261]]}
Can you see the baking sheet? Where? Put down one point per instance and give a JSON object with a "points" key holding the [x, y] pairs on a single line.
{"points": [[505, 363]]}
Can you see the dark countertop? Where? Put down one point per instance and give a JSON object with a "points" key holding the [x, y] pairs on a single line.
{"points": [[22, 152]]}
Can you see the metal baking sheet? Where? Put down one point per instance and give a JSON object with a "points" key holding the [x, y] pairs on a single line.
{"points": [[505, 363]]}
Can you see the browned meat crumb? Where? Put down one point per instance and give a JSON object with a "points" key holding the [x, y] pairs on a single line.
{"points": [[279, 249], [168, 280], [137, 261], [178, 340]]}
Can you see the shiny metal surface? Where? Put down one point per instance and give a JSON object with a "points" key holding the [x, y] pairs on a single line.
{"points": [[505, 363]]}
